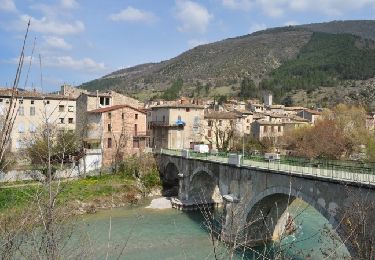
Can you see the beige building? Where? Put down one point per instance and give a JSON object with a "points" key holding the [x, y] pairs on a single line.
{"points": [[88, 101], [310, 115], [222, 128], [118, 130], [177, 126], [266, 129], [34, 110]]}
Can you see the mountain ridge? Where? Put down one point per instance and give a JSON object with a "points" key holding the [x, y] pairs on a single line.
{"points": [[225, 63]]}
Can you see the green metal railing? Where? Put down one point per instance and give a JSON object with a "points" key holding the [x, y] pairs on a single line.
{"points": [[348, 171]]}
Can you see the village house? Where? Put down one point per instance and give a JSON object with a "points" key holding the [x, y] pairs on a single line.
{"points": [[177, 126], [88, 101], [310, 115], [35, 109], [222, 128], [264, 128], [118, 130]]}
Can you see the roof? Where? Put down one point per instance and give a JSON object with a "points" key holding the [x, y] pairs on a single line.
{"points": [[265, 122], [293, 108], [115, 107], [6, 92], [178, 106], [276, 106], [222, 115], [246, 112], [313, 112]]}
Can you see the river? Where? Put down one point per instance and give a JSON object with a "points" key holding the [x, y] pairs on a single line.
{"points": [[140, 233]]}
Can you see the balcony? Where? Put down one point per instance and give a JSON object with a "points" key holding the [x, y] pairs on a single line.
{"points": [[140, 134], [155, 124]]}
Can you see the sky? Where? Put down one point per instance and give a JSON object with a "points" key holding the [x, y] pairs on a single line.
{"points": [[81, 40]]}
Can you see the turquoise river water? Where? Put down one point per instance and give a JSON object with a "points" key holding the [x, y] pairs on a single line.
{"points": [[140, 233]]}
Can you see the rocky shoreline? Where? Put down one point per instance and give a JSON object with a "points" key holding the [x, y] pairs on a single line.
{"points": [[118, 200]]}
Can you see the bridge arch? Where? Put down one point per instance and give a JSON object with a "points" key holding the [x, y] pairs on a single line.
{"points": [[170, 179], [266, 208], [204, 186]]}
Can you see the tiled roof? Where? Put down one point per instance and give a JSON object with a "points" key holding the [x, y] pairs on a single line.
{"points": [[178, 106], [6, 92], [115, 107], [222, 115]]}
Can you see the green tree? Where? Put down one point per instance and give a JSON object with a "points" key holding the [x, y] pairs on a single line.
{"points": [[248, 89], [173, 92], [370, 149], [61, 145]]}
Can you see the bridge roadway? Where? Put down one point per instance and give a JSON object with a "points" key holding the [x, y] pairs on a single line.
{"points": [[256, 194], [344, 175]]}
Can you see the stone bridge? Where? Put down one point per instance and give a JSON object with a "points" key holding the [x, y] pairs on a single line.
{"points": [[255, 198]]}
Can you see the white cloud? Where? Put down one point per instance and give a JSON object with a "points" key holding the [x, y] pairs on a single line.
{"points": [[46, 25], [257, 27], [57, 42], [8, 5], [279, 8], [67, 62], [245, 5], [69, 4], [195, 42], [131, 14], [193, 16]]}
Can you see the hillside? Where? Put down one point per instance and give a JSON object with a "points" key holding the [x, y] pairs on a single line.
{"points": [[270, 58]]}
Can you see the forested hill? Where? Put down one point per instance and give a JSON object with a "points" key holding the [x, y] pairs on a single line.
{"points": [[284, 60]]}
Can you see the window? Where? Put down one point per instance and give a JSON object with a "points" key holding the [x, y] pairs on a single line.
{"points": [[109, 115], [32, 128], [104, 101], [135, 129], [70, 108], [209, 134], [248, 120], [209, 123], [123, 116], [187, 109], [61, 108], [21, 101], [163, 118], [279, 128], [1, 100], [220, 122], [136, 116], [32, 102], [21, 128], [70, 120], [32, 111], [109, 143], [109, 127], [47, 102], [61, 120], [135, 143], [21, 111]]}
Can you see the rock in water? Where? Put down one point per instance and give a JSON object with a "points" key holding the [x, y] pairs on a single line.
{"points": [[160, 203]]}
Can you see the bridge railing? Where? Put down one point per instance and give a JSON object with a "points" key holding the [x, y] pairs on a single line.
{"points": [[345, 171]]}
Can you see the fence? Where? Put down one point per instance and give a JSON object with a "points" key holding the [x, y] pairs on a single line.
{"points": [[359, 172]]}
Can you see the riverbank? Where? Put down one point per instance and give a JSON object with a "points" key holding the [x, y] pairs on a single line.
{"points": [[83, 195]]}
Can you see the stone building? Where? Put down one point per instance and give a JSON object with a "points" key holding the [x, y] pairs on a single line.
{"points": [[222, 128], [118, 130], [310, 115], [263, 128], [88, 101], [34, 110], [177, 126]]}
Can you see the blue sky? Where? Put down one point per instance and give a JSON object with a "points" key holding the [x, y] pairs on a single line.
{"points": [[80, 40]]}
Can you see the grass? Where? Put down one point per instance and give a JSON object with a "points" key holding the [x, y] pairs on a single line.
{"points": [[86, 189]]}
